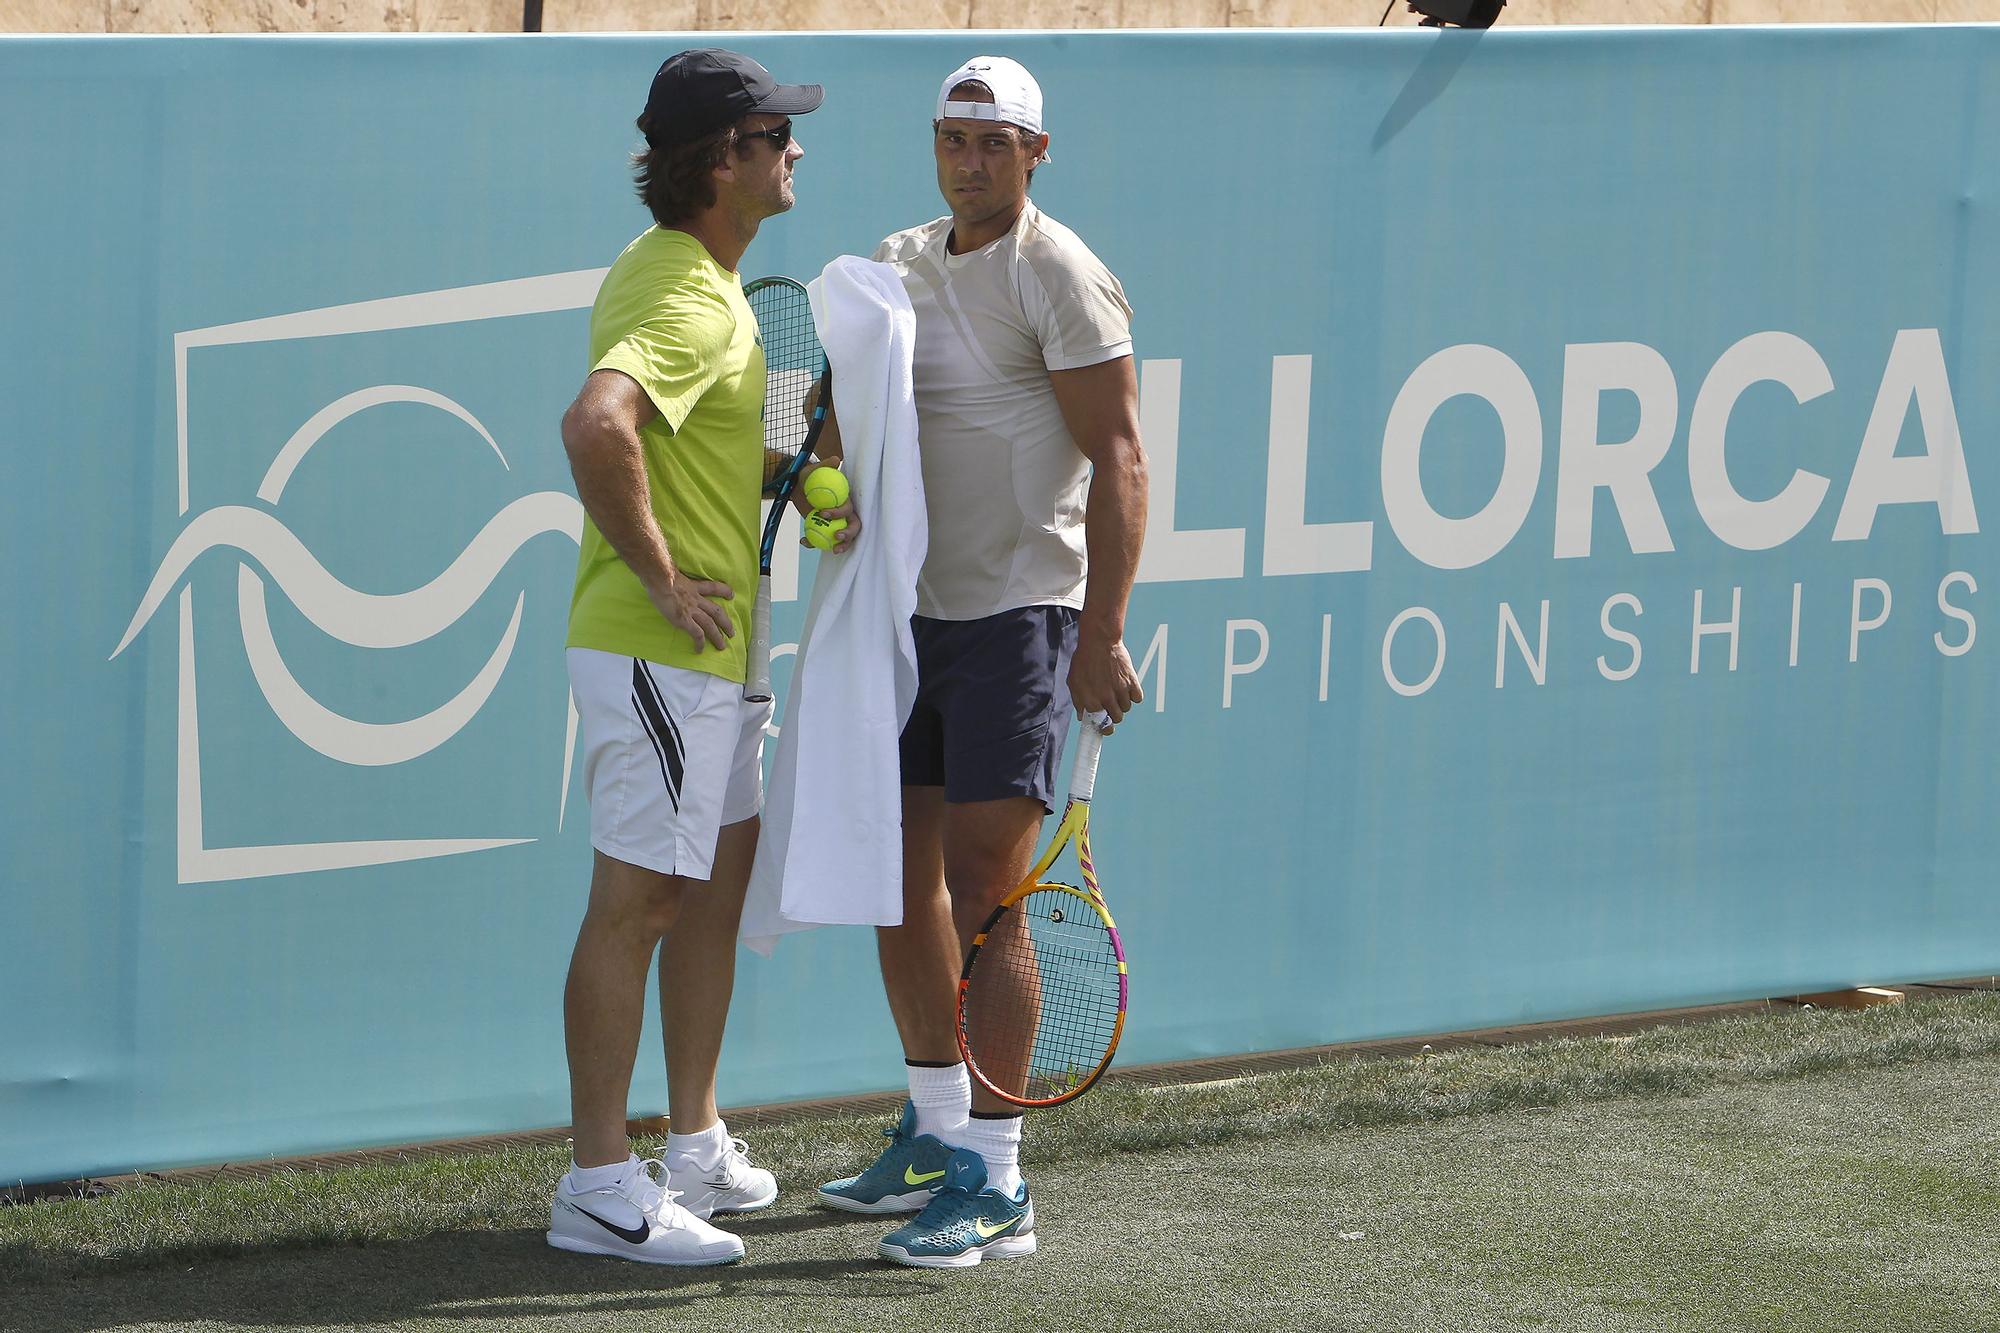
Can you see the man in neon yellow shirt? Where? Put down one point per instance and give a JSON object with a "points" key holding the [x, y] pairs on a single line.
{"points": [[666, 444]]}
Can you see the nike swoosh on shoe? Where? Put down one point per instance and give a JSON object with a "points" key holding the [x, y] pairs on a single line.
{"points": [[630, 1235]]}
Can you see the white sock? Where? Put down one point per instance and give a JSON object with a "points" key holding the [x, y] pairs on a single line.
{"points": [[703, 1149], [585, 1178], [943, 1098], [998, 1140]]}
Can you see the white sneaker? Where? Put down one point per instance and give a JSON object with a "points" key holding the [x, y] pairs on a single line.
{"points": [[733, 1185], [636, 1220]]}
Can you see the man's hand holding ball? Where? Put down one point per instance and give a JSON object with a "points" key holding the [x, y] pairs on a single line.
{"points": [[823, 533], [831, 523]]}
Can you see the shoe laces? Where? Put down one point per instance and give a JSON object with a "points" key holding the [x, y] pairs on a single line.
{"points": [[735, 1158], [651, 1195], [947, 1210]]}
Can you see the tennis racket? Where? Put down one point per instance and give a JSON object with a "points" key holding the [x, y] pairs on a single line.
{"points": [[793, 364], [1041, 1003]]}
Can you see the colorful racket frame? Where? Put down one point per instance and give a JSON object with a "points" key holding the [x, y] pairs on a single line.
{"points": [[1074, 828]]}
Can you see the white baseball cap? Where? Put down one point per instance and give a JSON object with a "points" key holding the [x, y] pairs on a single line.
{"points": [[1017, 98]]}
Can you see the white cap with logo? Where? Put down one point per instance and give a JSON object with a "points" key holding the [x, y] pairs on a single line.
{"points": [[1017, 98]]}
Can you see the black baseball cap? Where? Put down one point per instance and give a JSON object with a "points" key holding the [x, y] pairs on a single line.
{"points": [[700, 91]]}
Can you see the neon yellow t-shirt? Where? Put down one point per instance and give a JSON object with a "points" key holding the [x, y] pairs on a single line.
{"points": [[674, 320]]}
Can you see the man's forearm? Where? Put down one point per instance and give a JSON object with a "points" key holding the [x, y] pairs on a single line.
{"points": [[828, 448], [1114, 527], [610, 472], [1100, 406]]}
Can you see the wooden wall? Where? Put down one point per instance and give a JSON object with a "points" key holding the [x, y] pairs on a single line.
{"points": [[765, 15]]}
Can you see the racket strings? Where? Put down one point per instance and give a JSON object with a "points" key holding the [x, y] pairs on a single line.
{"points": [[792, 359], [1051, 995]]}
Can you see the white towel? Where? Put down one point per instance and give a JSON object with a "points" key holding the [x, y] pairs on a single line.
{"points": [[831, 848]]}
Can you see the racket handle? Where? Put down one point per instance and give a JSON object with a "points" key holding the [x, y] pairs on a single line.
{"points": [[1089, 746], [757, 675]]}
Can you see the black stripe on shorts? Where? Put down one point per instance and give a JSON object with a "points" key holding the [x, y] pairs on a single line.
{"points": [[660, 730]]}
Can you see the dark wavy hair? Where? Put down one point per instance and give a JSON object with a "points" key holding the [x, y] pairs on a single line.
{"points": [[675, 180]]}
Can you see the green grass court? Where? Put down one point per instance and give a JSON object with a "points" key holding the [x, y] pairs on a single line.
{"points": [[1809, 1171]]}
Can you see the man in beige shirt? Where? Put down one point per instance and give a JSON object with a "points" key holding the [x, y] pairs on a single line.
{"points": [[1028, 432]]}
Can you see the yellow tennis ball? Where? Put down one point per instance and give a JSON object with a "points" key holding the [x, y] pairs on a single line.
{"points": [[820, 531], [825, 487]]}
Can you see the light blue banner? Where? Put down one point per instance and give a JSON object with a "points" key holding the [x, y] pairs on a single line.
{"points": [[1567, 590]]}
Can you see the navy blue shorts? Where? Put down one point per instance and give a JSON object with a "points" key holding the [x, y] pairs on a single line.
{"points": [[992, 709]]}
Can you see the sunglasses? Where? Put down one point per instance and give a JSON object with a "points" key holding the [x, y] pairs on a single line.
{"points": [[780, 136]]}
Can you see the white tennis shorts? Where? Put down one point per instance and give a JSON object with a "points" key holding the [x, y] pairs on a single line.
{"points": [[669, 757]]}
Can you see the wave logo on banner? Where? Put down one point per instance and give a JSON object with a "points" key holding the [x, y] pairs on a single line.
{"points": [[349, 616]]}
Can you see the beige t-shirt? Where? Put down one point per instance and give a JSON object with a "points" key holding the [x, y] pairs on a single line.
{"points": [[1003, 481]]}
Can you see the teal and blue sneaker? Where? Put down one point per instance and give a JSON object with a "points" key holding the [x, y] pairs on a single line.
{"points": [[965, 1222], [903, 1178]]}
